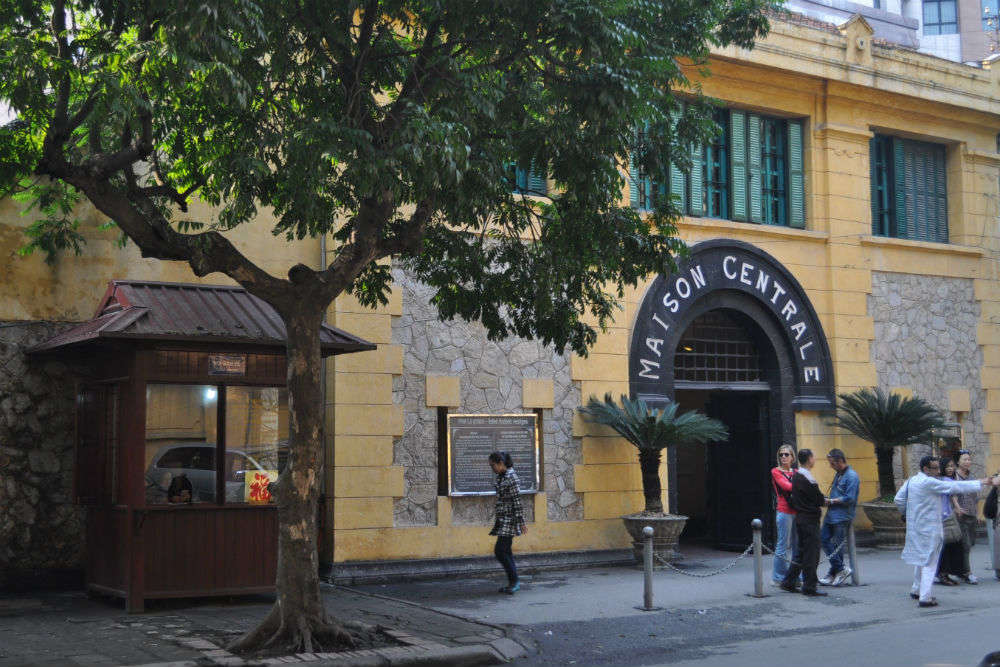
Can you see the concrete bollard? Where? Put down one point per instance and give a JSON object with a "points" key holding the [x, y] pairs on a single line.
{"points": [[852, 553], [758, 560], [647, 562]]}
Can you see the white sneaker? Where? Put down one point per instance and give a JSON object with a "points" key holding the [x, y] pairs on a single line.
{"points": [[971, 579], [842, 576], [826, 581]]}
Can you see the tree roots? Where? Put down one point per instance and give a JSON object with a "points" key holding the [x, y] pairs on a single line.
{"points": [[294, 633]]}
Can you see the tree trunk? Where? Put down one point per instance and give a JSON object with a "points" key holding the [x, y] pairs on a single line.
{"points": [[649, 463], [886, 476], [298, 622]]}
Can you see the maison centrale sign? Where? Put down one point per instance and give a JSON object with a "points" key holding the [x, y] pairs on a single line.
{"points": [[733, 275]]}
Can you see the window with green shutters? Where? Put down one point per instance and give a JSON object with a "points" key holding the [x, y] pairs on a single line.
{"points": [[751, 172], [642, 189], [528, 181], [716, 171], [909, 187]]}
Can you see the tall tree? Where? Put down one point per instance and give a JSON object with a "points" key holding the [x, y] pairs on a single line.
{"points": [[390, 126]]}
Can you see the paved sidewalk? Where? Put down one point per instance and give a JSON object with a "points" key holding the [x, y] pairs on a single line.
{"points": [[50, 629]]}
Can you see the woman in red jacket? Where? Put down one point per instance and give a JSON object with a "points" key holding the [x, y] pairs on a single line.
{"points": [[784, 521]]}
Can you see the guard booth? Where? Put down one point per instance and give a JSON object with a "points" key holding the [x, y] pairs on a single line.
{"points": [[182, 422]]}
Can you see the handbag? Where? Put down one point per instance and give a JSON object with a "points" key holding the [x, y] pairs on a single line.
{"points": [[952, 531], [990, 506]]}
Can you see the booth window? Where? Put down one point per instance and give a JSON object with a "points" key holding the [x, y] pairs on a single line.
{"points": [[184, 427]]}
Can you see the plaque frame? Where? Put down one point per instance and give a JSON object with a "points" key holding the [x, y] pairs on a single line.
{"points": [[452, 493]]}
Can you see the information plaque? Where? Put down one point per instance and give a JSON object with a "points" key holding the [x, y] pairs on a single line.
{"points": [[471, 439]]}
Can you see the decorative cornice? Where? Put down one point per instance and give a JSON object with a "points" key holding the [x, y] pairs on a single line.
{"points": [[987, 158]]}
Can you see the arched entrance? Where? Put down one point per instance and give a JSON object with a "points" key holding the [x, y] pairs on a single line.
{"points": [[734, 335]]}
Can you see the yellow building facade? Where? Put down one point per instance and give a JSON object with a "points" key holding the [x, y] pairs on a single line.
{"points": [[910, 315]]}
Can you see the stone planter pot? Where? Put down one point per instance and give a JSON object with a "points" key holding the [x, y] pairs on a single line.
{"points": [[890, 531], [666, 529]]}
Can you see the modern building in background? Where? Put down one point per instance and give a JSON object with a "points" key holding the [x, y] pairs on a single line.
{"points": [[957, 30], [844, 234]]}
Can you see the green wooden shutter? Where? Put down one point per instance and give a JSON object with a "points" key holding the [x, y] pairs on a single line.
{"points": [[755, 193], [796, 178], [940, 228], [537, 184], [738, 163], [873, 177], [678, 186], [902, 229], [633, 175], [696, 204]]}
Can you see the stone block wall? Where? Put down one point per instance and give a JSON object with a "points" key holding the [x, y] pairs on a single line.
{"points": [[490, 375], [925, 340], [40, 527]]}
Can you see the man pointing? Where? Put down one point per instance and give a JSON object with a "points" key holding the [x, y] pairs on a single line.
{"points": [[920, 502]]}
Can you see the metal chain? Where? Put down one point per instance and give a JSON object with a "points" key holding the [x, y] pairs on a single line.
{"points": [[791, 562], [703, 575]]}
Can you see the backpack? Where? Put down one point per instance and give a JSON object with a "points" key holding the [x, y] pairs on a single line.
{"points": [[990, 506]]}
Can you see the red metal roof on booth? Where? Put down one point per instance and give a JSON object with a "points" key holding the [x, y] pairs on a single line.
{"points": [[182, 312]]}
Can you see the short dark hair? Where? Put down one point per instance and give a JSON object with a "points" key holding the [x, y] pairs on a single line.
{"points": [[804, 455], [836, 454], [927, 460], [502, 457]]}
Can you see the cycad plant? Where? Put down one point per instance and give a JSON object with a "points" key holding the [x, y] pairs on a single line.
{"points": [[651, 431], [886, 421]]}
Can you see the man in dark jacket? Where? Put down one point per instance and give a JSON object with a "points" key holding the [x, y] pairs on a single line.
{"points": [[808, 502]]}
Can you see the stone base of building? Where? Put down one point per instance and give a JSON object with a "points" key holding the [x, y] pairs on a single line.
{"points": [[371, 572]]}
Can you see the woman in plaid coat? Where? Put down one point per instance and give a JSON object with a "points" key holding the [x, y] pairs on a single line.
{"points": [[509, 517]]}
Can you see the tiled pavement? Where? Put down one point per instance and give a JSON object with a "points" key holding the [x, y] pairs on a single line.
{"points": [[71, 629]]}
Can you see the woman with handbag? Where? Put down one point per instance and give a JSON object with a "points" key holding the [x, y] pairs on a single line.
{"points": [[952, 560]]}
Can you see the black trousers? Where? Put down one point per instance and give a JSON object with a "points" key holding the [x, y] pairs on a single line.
{"points": [[806, 554], [506, 557]]}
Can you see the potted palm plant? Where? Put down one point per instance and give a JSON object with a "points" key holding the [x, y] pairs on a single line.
{"points": [[886, 421], [652, 430]]}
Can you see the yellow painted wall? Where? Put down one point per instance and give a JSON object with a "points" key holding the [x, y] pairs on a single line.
{"points": [[843, 94]]}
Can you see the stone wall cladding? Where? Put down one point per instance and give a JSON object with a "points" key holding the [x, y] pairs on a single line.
{"points": [[925, 339], [40, 527], [490, 374]]}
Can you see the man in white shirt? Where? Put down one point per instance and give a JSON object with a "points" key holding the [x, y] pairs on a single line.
{"points": [[920, 502]]}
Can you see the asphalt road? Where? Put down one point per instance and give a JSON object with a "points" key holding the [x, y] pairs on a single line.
{"points": [[589, 617]]}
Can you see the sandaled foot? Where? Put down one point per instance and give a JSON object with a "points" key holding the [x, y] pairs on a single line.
{"points": [[928, 603]]}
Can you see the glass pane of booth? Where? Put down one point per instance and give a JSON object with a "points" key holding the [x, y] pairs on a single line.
{"points": [[181, 437], [256, 442]]}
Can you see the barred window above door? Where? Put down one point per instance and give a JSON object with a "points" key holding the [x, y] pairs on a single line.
{"points": [[715, 348]]}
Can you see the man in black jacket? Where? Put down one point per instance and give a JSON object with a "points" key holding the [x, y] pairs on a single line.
{"points": [[808, 502]]}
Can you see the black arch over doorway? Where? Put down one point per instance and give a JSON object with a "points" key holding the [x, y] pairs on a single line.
{"points": [[745, 279], [734, 276]]}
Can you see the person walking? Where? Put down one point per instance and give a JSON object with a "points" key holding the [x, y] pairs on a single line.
{"points": [[808, 502], [950, 561], [843, 502], [920, 502], [966, 506], [784, 516], [509, 520]]}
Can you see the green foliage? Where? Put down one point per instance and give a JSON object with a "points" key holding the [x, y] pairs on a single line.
{"points": [[653, 429], [387, 124], [887, 420]]}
